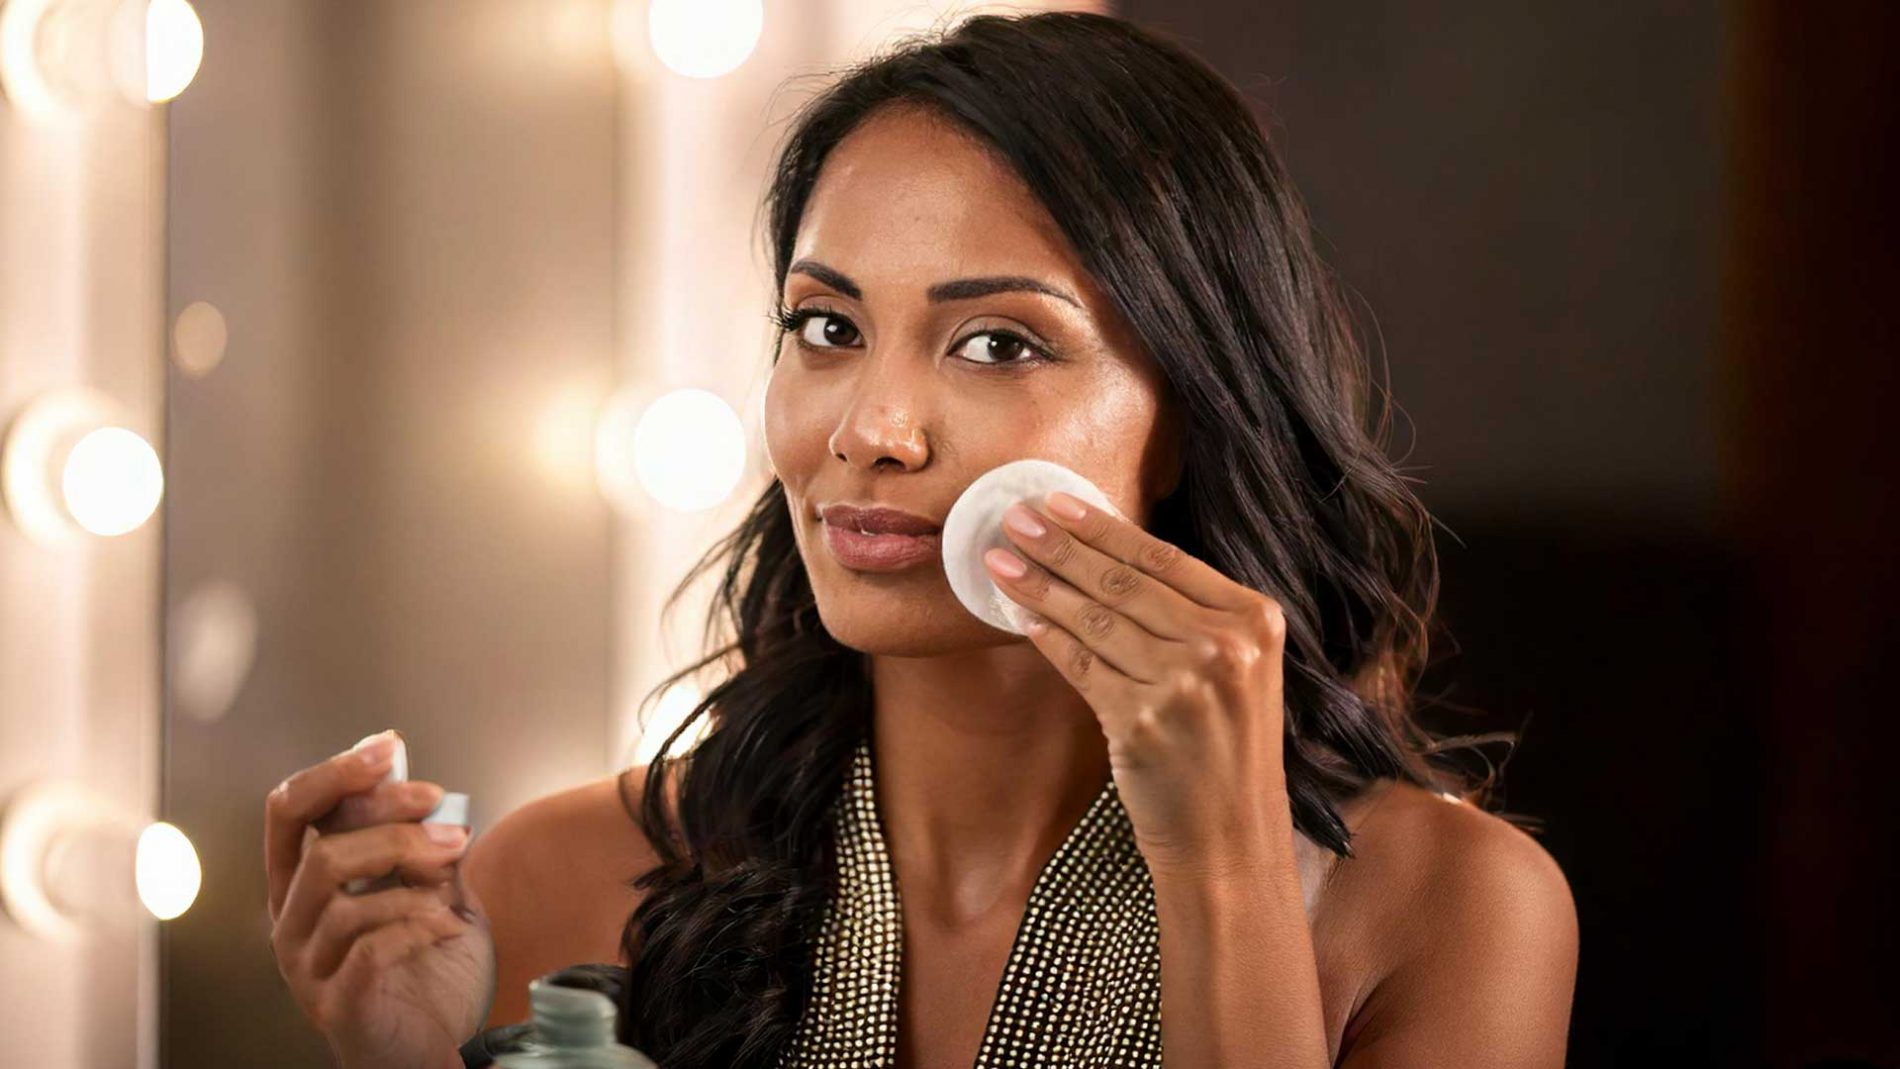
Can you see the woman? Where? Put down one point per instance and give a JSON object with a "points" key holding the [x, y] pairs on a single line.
{"points": [[1196, 785]]}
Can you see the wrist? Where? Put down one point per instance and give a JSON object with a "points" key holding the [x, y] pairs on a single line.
{"points": [[1247, 853]]}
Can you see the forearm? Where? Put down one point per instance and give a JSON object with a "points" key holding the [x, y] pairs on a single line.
{"points": [[1239, 983]]}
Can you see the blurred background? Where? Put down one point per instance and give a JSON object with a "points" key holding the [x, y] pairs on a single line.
{"points": [[371, 363]]}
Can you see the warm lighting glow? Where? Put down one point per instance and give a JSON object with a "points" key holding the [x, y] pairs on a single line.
{"points": [[565, 434], [174, 46], [675, 703], [704, 38], [686, 451], [166, 871], [213, 645], [112, 481], [199, 336], [69, 465], [20, 75]]}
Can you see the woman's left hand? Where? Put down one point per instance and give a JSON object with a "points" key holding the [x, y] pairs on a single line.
{"points": [[1182, 667]]}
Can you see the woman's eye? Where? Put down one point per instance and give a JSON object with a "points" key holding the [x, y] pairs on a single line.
{"points": [[831, 331], [997, 347]]}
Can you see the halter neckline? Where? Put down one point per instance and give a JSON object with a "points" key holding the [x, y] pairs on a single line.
{"points": [[1080, 988]]}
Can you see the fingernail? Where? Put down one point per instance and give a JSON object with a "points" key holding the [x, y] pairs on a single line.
{"points": [[375, 749], [446, 834], [425, 793], [1018, 518], [1066, 506], [1006, 562]]}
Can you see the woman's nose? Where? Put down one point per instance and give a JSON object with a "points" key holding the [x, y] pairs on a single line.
{"points": [[880, 433]]}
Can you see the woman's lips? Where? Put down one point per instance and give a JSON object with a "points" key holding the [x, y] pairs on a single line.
{"points": [[880, 552]]}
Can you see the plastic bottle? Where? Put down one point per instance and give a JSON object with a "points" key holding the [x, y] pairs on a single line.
{"points": [[573, 1029]]}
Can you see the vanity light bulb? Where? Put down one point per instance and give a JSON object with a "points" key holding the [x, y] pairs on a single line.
{"points": [[112, 481], [174, 46], [166, 871], [704, 38], [687, 450]]}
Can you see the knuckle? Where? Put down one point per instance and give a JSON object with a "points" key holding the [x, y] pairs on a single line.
{"points": [[1036, 584], [1060, 551], [277, 802], [1183, 681], [1159, 557], [1145, 728], [1096, 621], [1120, 582], [323, 1014], [1081, 661], [1225, 651], [339, 913], [1270, 618], [319, 859]]}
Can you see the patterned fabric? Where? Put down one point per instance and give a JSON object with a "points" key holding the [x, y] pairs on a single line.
{"points": [[1082, 985]]}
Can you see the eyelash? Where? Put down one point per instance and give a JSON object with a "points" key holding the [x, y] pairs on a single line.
{"points": [[790, 320]]}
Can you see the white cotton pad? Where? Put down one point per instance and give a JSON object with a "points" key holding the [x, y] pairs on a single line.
{"points": [[452, 809], [975, 525]]}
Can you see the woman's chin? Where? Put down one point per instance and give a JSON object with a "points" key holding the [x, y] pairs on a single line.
{"points": [[909, 631]]}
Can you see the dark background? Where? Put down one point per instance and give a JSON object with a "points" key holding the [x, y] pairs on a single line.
{"points": [[1633, 269]]}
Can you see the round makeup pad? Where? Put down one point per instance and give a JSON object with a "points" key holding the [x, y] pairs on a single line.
{"points": [[975, 525]]}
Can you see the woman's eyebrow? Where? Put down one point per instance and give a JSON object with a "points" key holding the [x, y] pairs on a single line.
{"points": [[955, 290]]}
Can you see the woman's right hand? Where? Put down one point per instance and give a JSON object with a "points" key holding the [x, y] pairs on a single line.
{"points": [[394, 978]]}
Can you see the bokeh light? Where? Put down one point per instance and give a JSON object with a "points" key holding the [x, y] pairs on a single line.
{"points": [[199, 336], [686, 451], [112, 481], [166, 871], [174, 46], [704, 38]]}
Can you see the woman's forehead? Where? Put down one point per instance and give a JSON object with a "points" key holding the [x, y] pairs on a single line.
{"points": [[907, 197]]}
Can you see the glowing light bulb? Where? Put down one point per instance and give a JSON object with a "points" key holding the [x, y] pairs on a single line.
{"points": [[687, 451], [166, 871], [68, 466], [174, 46], [112, 481], [704, 38]]}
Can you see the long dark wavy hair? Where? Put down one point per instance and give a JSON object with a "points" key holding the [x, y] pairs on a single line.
{"points": [[1174, 201]]}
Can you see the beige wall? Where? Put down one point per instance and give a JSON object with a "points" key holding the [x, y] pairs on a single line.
{"points": [[405, 212]]}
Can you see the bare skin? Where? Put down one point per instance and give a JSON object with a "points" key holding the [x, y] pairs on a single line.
{"points": [[1449, 939]]}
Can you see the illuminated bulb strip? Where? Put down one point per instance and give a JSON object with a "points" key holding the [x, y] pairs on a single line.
{"points": [[59, 55], [65, 468]]}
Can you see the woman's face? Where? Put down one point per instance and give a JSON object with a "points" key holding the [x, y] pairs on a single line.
{"points": [[931, 361]]}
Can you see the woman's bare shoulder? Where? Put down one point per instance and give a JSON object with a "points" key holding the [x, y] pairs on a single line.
{"points": [[554, 878], [1459, 916]]}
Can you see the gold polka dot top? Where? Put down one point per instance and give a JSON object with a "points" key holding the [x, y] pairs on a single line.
{"points": [[1082, 985]]}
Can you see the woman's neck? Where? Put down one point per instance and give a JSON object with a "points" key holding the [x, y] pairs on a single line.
{"points": [[985, 760]]}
